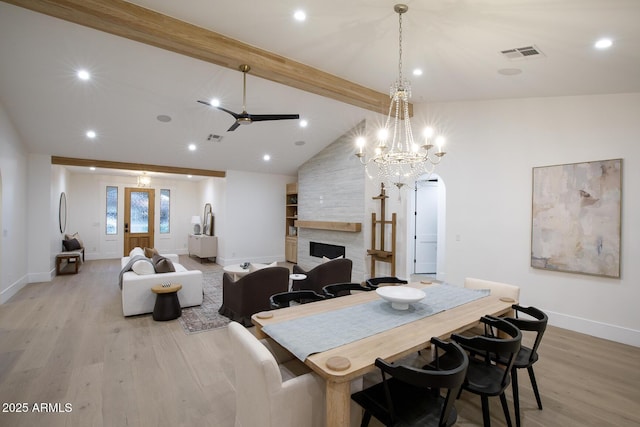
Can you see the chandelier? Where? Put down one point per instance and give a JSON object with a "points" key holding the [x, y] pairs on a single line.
{"points": [[144, 180], [400, 159]]}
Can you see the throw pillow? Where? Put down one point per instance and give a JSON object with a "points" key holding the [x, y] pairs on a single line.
{"points": [[162, 264], [143, 267], [150, 252], [136, 251], [76, 236], [325, 259], [71, 245]]}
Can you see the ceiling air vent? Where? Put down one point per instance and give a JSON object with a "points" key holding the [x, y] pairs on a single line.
{"points": [[214, 138], [522, 53]]}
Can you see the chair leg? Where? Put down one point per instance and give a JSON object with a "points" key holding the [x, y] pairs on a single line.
{"points": [[486, 419], [534, 384], [505, 408], [366, 417], [516, 394]]}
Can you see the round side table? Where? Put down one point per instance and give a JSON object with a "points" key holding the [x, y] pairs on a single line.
{"points": [[294, 277], [167, 305]]}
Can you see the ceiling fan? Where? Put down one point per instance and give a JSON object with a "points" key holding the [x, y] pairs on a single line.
{"points": [[245, 118]]}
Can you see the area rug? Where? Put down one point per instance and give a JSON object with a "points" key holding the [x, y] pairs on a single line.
{"points": [[205, 317]]}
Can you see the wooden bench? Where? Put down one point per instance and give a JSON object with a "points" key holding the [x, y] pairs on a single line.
{"points": [[70, 258]]}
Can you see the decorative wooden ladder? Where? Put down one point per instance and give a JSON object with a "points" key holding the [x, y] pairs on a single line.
{"points": [[382, 255]]}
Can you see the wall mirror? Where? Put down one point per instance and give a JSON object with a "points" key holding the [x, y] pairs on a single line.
{"points": [[62, 212], [208, 220]]}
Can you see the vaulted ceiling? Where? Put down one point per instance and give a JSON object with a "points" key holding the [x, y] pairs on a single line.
{"points": [[333, 69]]}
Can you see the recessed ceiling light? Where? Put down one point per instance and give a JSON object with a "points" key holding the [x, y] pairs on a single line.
{"points": [[189, 176], [509, 71], [192, 147], [417, 72], [299, 15], [299, 143], [303, 123], [215, 102], [91, 134], [164, 118], [603, 44], [266, 157], [92, 168], [83, 75]]}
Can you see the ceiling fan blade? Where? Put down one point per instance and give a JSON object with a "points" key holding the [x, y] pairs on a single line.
{"points": [[235, 115], [267, 117], [233, 127]]}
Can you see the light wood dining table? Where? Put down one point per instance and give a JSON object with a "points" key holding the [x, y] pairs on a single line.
{"points": [[389, 345]]}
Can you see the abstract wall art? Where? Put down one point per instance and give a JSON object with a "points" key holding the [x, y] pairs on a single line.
{"points": [[576, 217]]}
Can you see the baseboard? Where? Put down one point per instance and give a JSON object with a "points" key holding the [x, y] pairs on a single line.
{"points": [[13, 289], [597, 329]]}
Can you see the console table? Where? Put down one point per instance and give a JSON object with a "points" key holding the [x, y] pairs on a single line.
{"points": [[203, 246]]}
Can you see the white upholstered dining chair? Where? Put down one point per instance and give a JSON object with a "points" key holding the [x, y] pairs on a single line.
{"points": [[497, 288], [273, 389]]}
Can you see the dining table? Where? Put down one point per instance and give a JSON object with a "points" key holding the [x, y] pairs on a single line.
{"points": [[348, 361]]}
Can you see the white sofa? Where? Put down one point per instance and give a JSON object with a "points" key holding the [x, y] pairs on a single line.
{"points": [[137, 297]]}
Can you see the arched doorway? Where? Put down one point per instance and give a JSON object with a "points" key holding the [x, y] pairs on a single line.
{"points": [[426, 232]]}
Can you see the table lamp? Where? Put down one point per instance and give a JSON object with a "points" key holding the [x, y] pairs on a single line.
{"points": [[196, 221]]}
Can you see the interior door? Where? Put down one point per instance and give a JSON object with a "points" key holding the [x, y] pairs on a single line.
{"points": [[426, 238], [138, 218]]}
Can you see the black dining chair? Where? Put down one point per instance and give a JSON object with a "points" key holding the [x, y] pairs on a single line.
{"points": [[527, 356], [484, 377], [412, 396], [342, 289], [284, 299], [374, 282]]}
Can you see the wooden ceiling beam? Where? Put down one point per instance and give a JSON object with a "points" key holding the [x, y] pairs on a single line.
{"points": [[70, 161], [127, 20]]}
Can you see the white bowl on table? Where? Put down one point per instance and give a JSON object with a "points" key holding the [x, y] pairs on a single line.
{"points": [[400, 296]]}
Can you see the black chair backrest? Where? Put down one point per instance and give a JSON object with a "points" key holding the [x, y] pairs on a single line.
{"points": [[341, 289], [374, 282], [491, 345], [450, 379], [283, 299], [537, 324]]}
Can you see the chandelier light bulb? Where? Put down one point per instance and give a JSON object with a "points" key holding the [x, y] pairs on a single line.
{"points": [[383, 134], [428, 132]]}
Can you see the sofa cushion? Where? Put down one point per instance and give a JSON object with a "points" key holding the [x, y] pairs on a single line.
{"points": [[150, 252], [143, 267], [162, 264], [71, 245]]}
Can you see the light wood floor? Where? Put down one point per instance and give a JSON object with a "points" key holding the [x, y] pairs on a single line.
{"points": [[66, 341]]}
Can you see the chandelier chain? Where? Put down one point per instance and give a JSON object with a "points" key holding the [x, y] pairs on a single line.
{"points": [[400, 49]]}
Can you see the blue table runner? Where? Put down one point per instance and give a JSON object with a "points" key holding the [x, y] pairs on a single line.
{"points": [[320, 332]]}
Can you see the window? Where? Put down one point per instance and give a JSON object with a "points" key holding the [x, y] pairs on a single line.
{"points": [[165, 204], [112, 210]]}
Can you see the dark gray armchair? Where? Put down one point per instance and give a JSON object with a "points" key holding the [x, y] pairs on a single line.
{"points": [[250, 294], [334, 271]]}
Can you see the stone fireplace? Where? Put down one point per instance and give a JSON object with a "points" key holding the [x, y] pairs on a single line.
{"points": [[331, 187]]}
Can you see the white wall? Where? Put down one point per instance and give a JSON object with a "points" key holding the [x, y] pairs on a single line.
{"points": [[13, 218], [253, 219], [492, 149], [86, 199]]}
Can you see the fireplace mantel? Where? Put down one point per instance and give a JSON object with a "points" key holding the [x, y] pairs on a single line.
{"points": [[353, 227]]}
